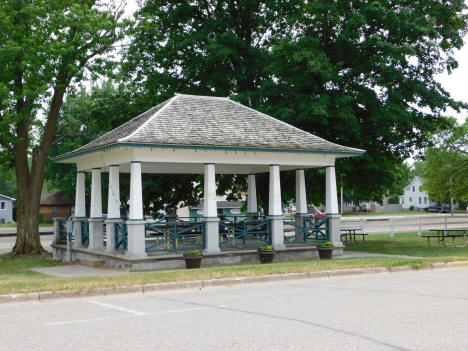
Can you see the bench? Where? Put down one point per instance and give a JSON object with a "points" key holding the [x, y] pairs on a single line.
{"points": [[350, 233]]}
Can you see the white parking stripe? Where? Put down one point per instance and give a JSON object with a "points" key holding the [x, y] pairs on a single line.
{"points": [[138, 313], [114, 317]]}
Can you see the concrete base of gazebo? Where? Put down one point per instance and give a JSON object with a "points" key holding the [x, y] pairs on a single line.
{"points": [[165, 260]]}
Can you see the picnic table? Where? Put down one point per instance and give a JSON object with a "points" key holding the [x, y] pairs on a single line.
{"points": [[350, 233], [442, 234]]}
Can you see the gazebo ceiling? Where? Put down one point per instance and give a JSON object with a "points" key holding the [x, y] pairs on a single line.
{"points": [[210, 123]]}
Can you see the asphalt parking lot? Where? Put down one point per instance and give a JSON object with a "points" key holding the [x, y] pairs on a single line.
{"points": [[425, 310]]}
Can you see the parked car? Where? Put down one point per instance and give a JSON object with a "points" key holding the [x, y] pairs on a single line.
{"points": [[315, 212], [438, 208]]}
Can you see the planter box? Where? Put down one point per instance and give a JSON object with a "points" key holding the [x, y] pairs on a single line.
{"points": [[325, 252], [266, 256]]}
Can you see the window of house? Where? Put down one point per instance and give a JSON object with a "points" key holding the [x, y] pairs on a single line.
{"points": [[413, 188], [425, 199], [220, 211], [410, 199], [56, 210], [420, 200], [402, 201], [2, 205]]}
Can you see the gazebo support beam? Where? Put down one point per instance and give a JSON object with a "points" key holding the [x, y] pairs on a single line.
{"points": [[252, 208], [275, 212], [136, 222], [210, 212], [301, 203], [113, 207], [331, 207], [96, 221], [80, 208]]}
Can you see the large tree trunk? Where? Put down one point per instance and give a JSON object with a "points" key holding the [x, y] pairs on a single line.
{"points": [[30, 181]]}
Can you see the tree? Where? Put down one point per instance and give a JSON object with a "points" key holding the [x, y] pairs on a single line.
{"points": [[446, 166], [45, 45], [86, 116], [359, 73]]}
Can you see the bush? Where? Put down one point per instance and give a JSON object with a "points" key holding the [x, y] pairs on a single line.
{"points": [[411, 208], [393, 200]]}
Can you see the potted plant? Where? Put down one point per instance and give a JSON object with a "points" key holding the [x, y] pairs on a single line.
{"points": [[193, 259], [325, 250], [266, 254]]}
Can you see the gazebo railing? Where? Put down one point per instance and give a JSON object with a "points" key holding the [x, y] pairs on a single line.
{"points": [[84, 233], [121, 236], [176, 236], [240, 233], [62, 231], [308, 230]]}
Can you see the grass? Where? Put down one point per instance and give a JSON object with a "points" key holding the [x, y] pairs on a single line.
{"points": [[13, 225], [410, 244], [16, 276]]}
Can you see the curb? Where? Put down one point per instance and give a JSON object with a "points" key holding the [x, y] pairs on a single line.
{"points": [[201, 284]]}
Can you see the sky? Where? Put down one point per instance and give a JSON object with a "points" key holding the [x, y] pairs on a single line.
{"points": [[457, 82]]}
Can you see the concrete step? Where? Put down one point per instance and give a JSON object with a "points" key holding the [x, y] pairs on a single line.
{"points": [[92, 262]]}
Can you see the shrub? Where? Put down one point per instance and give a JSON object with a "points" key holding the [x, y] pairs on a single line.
{"points": [[411, 208]]}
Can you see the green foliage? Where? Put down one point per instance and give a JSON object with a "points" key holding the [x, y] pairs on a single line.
{"points": [[446, 166], [411, 208], [326, 244], [193, 253], [266, 248], [393, 200], [357, 73]]}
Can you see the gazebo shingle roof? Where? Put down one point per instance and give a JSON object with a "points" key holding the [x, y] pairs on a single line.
{"points": [[212, 121]]}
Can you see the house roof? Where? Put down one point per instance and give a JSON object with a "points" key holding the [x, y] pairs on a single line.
{"points": [[413, 180], [58, 198], [211, 121], [7, 197]]}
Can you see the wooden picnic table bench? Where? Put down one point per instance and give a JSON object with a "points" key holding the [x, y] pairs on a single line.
{"points": [[445, 233], [350, 233]]}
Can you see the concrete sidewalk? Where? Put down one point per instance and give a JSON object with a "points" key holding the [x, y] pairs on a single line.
{"points": [[75, 271]]}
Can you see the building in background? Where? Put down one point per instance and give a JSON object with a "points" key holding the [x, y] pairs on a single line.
{"points": [[57, 204], [413, 195], [6, 209]]}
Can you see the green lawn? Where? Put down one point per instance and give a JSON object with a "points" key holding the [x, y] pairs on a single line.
{"points": [[409, 244], [16, 276], [13, 225]]}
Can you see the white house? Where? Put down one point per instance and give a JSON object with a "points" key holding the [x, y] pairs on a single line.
{"points": [[414, 196], [6, 209]]}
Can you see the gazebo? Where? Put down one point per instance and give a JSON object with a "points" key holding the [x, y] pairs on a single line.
{"points": [[206, 135]]}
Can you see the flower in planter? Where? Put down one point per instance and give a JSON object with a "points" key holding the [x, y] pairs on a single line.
{"points": [[266, 248], [326, 244], [193, 253]]}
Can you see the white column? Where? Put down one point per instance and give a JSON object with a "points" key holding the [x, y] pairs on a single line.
{"points": [[136, 192], [113, 207], [80, 208], [252, 208], [301, 205], [301, 200], [96, 222], [80, 202], [331, 206], [209, 210], [136, 223], [331, 200], [274, 200], [274, 209], [209, 190], [96, 196], [113, 199]]}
